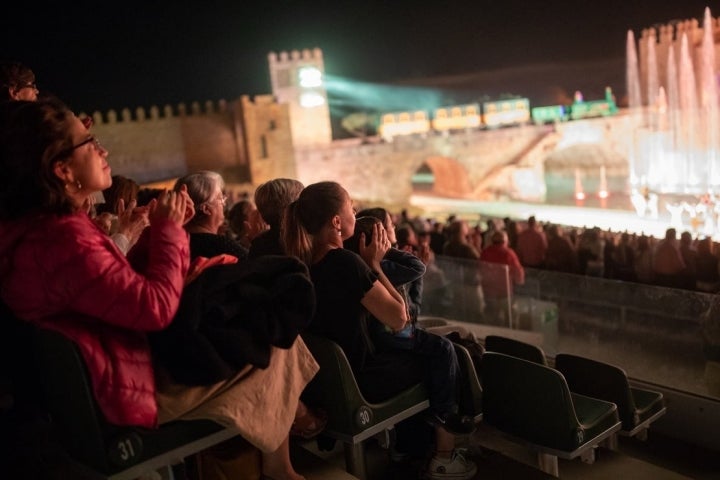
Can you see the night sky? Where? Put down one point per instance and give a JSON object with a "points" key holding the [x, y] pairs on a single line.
{"points": [[101, 55]]}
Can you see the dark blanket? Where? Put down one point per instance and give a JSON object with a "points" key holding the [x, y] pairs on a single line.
{"points": [[231, 315]]}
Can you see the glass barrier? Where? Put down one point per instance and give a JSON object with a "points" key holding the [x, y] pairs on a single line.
{"points": [[660, 335]]}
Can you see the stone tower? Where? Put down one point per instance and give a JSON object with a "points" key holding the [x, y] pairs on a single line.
{"points": [[298, 80]]}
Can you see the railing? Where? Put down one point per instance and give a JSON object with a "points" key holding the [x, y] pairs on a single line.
{"points": [[658, 335]]}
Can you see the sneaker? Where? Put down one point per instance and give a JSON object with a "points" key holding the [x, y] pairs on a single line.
{"points": [[457, 467], [453, 422]]}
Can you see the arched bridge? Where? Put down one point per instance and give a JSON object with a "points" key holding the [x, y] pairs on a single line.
{"points": [[480, 164]]}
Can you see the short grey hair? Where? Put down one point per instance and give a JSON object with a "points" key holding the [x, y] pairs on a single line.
{"points": [[201, 185], [272, 197]]}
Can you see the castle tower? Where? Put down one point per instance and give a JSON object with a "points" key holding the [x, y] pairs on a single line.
{"points": [[298, 80]]}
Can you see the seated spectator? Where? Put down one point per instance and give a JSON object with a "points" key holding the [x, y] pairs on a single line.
{"points": [[464, 278], [271, 199], [348, 286], [18, 82], [436, 288], [706, 264], [689, 255], [591, 253], [561, 255], [395, 264], [644, 260], [244, 223], [206, 185], [668, 264], [498, 284], [532, 245], [127, 219], [623, 259], [63, 273], [206, 189], [402, 269]]}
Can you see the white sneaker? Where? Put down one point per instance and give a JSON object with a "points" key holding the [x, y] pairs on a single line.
{"points": [[456, 467]]}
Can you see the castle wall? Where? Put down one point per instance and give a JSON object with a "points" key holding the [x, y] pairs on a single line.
{"points": [[268, 136], [153, 146]]}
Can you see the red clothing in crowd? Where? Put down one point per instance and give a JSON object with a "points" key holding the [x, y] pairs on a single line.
{"points": [[532, 247], [498, 284]]}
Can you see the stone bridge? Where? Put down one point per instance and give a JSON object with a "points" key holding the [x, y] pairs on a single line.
{"points": [[508, 163]]}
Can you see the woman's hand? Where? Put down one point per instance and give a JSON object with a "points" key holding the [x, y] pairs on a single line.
{"points": [[131, 220], [171, 206], [379, 244]]}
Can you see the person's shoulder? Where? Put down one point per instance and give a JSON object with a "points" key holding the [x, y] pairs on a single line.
{"points": [[345, 255]]}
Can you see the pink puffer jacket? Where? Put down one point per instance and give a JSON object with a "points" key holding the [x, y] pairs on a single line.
{"points": [[63, 273]]}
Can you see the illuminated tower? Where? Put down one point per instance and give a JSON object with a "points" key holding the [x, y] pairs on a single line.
{"points": [[297, 79]]}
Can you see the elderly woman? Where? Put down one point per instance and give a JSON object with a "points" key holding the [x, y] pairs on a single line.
{"points": [[60, 271], [206, 191]]}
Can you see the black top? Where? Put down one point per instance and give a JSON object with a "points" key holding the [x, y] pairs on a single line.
{"points": [[210, 245], [267, 243], [341, 280]]}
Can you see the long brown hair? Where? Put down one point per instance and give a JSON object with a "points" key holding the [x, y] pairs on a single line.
{"points": [[33, 136], [315, 207]]}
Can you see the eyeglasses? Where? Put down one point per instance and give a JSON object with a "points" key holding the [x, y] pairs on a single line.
{"points": [[223, 199], [68, 151], [91, 139]]}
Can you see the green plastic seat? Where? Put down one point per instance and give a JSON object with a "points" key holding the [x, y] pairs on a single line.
{"points": [[469, 396], [109, 451], [637, 407], [532, 404], [351, 418], [515, 348]]}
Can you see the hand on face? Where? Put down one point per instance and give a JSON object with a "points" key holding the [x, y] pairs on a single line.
{"points": [[379, 244]]}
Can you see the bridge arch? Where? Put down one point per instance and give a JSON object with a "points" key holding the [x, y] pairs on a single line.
{"points": [[450, 177]]}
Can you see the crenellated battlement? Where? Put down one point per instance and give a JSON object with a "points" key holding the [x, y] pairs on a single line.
{"points": [[154, 113], [285, 58]]}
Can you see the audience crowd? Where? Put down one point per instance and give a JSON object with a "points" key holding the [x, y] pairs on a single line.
{"points": [[78, 242]]}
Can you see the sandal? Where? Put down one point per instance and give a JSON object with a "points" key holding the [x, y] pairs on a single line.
{"points": [[309, 425]]}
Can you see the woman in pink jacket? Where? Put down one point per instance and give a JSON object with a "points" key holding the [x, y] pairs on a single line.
{"points": [[58, 270]]}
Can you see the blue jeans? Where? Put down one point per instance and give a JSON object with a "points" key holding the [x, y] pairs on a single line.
{"points": [[439, 359]]}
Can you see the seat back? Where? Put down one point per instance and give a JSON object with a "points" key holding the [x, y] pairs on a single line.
{"points": [[601, 380], [469, 389], [351, 418], [515, 348], [530, 401], [111, 451], [69, 399]]}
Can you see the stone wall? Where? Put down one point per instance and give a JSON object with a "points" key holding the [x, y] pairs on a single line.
{"points": [[246, 141]]}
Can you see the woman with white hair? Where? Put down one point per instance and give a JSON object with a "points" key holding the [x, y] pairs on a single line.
{"points": [[206, 189]]}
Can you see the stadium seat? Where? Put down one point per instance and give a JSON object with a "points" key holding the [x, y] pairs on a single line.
{"points": [[637, 408], [105, 450], [532, 405], [351, 418], [515, 348]]}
